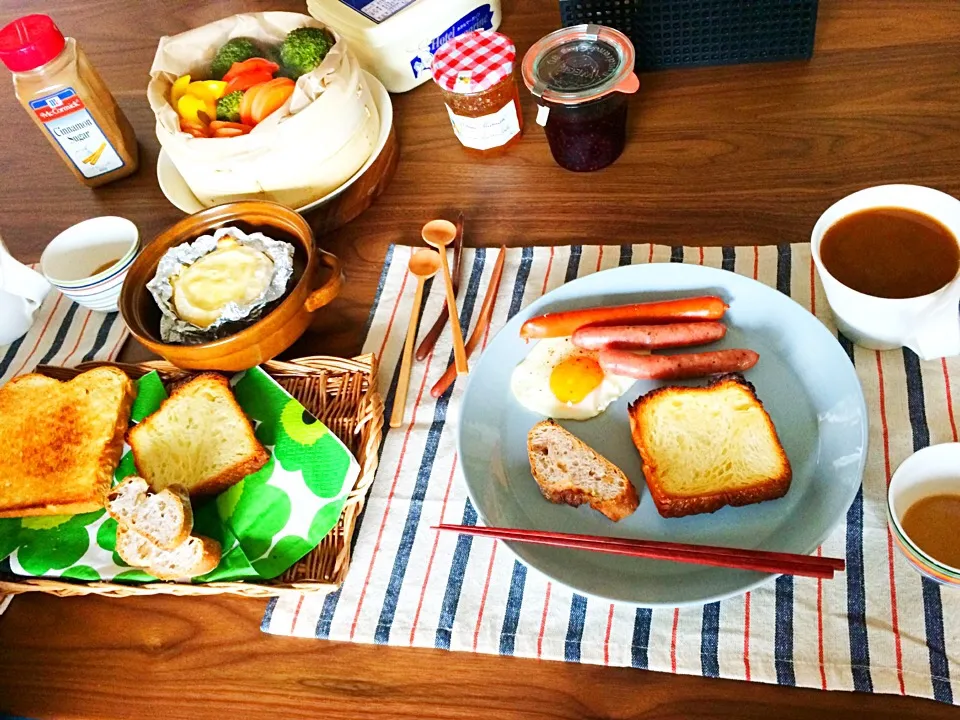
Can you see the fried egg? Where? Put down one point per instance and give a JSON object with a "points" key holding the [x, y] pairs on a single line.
{"points": [[559, 380]]}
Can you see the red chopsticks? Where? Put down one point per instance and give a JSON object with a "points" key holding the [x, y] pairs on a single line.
{"points": [[738, 559]]}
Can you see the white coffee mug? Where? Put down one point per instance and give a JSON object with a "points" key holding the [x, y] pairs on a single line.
{"points": [[929, 324]]}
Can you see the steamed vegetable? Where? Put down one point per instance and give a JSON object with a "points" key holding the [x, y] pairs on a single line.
{"points": [[261, 100], [220, 129], [228, 107], [233, 51], [303, 49], [245, 75]]}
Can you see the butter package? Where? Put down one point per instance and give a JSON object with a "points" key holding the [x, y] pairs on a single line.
{"points": [[207, 287]]}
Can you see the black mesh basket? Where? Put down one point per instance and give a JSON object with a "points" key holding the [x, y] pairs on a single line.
{"points": [[683, 33]]}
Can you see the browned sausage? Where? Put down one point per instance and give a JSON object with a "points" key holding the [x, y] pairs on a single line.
{"points": [[564, 324], [676, 367], [648, 337]]}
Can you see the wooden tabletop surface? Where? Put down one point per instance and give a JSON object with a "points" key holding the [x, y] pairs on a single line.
{"points": [[733, 155]]}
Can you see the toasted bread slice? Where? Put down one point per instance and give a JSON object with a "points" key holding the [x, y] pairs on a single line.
{"points": [[706, 447], [197, 555], [61, 441], [571, 473], [199, 439], [164, 518]]}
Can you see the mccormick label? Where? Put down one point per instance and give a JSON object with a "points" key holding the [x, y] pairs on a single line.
{"points": [[480, 18], [67, 119], [377, 10]]}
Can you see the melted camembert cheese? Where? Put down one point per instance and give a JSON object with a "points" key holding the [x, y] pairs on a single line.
{"points": [[231, 273]]}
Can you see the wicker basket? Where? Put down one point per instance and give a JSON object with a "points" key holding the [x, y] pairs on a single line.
{"points": [[343, 395]]}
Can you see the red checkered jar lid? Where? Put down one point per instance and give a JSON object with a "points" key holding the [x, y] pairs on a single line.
{"points": [[474, 62]]}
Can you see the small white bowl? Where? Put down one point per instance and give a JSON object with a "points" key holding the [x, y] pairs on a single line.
{"points": [[176, 190], [934, 470], [89, 261]]}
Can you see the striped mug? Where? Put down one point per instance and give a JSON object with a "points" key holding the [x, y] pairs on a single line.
{"points": [[89, 261]]}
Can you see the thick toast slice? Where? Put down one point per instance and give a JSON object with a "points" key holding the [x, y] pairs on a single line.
{"points": [[61, 441], [199, 439], [571, 473], [707, 447]]}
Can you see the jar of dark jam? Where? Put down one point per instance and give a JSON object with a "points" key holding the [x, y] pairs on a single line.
{"points": [[582, 78]]}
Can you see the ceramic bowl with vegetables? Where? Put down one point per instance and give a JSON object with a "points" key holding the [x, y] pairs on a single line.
{"points": [[264, 106]]}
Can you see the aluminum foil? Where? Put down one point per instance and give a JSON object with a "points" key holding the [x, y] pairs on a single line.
{"points": [[233, 316]]}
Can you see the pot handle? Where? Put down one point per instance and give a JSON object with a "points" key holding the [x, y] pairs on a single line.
{"points": [[325, 294]]}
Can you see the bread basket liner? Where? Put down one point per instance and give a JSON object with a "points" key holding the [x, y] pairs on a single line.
{"points": [[266, 523], [312, 145]]}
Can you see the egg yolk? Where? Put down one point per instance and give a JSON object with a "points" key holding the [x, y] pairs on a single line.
{"points": [[574, 378]]}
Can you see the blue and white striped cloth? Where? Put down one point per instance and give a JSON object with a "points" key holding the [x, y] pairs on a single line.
{"points": [[878, 628], [63, 333]]}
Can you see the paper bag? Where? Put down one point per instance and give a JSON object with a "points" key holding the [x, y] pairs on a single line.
{"points": [[298, 154]]}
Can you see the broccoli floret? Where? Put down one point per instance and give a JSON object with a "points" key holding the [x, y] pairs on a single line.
{"points": [[304, 49], [228, 107], [232, 51]]}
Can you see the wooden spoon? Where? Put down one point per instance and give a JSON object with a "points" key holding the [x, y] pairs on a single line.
{"points": [[424, 264], [439, 234]]}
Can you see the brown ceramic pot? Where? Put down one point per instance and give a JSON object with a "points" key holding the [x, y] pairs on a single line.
{"points": [[317, 279]]}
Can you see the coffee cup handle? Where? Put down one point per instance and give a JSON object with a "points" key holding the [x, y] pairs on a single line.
{"points": [[938, 335]]}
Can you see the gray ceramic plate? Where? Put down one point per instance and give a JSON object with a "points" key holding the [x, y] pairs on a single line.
{"points": [[804, 379]]}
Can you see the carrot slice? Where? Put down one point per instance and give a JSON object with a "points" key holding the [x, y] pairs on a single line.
{"points": [[219, 128], [270, 98], [246, 104], [228, 132]]}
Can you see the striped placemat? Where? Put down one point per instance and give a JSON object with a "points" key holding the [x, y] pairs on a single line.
{"points": [[63, 333], [878, 628]]}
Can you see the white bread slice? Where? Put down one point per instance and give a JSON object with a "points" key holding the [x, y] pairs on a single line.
{"points": [[198, 555], [569, 472], [61, 441], [706, 447], [199, 438], [164, 518]]}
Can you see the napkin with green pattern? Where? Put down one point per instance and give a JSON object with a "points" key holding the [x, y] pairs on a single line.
{"points": [[265, 523]]}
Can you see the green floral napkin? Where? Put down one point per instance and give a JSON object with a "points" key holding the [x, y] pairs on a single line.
{"points": [[265, 523]]}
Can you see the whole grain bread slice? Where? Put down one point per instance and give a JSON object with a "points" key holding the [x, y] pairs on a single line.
{"points": [[199, 439], [569, 472], [165, 518], [197, 555], [706, 447]]}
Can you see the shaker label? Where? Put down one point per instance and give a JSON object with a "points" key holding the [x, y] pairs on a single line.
{"points": [[69, 122], [489, 131]]}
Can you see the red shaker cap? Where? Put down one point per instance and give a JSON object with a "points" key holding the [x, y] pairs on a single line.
{"points": [[29, 42]]}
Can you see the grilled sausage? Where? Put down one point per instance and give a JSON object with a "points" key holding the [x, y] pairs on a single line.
{"points": [[676, 367]]}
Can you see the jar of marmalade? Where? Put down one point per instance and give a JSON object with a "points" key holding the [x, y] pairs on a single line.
{"points": [[581, 77], [475, 74]]}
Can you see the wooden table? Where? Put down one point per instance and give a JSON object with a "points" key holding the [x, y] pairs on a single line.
{"points": [[735, 155]]}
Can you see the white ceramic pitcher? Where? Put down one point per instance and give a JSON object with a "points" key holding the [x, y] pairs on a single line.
{"points": [[22, 289]]}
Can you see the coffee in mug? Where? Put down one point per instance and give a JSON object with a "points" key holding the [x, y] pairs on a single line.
{"points": [[889, 260]]}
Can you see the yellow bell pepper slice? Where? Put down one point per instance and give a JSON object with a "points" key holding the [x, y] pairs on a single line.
{"points": [[189, 106], [209, 90], [179, 89]]}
